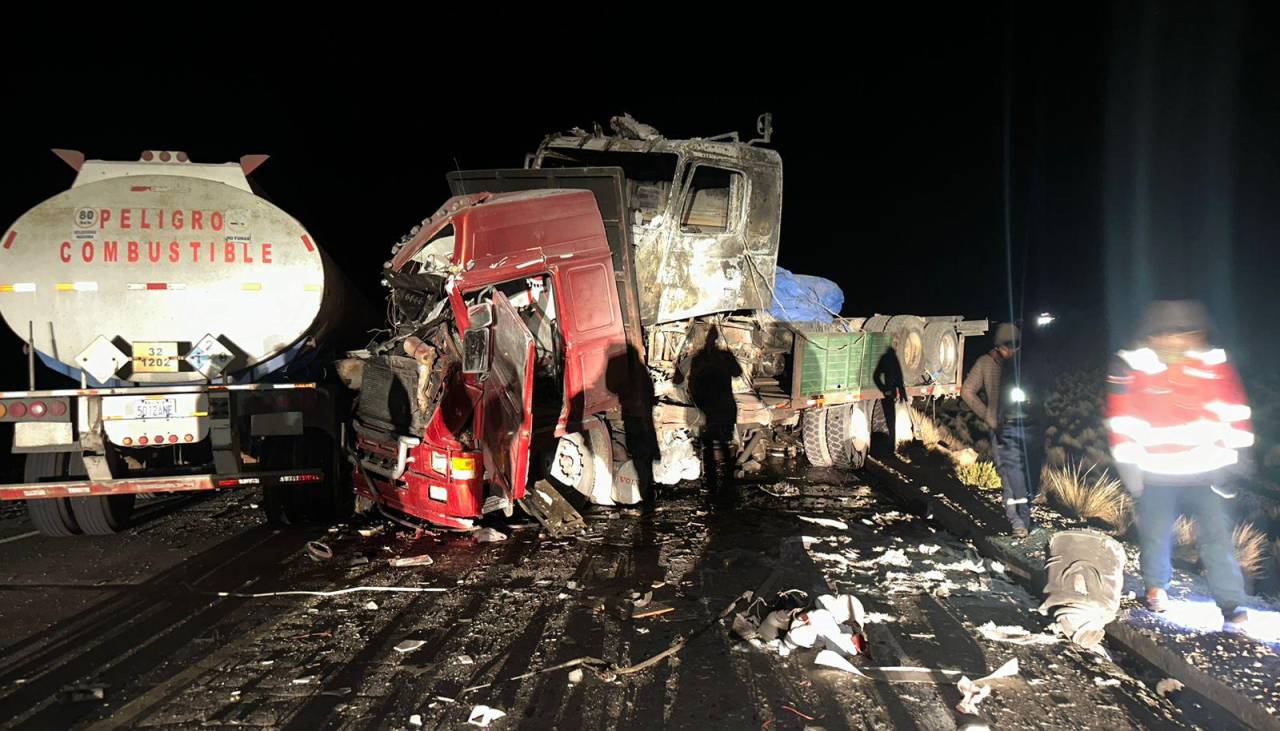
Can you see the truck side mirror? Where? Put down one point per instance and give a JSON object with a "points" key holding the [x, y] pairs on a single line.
{"points": [[477, 346]]}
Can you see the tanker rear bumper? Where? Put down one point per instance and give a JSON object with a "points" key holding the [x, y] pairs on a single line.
{"points": [[184, 483]]}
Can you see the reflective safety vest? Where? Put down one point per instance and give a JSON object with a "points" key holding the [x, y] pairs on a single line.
{"points": [[1183, 418]]}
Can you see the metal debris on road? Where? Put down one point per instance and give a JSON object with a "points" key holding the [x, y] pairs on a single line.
{"points": [[409, 645], [304, 680], [371, 531], [482, 716], [489, 535], [80, 693], [318, 551], [419, 560], [911, 674], [826, 522]]}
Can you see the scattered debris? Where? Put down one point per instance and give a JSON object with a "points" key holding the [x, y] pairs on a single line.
{"points": [[928, 549], [358, 561], [1106, 682], [334, 592], [409, 645], [415, 720], [482, 716], [826, 522], [1167, 686], [891, 557], [419, 560], [575, 676], [489, 535], [465, 660], [371, 605], [304, 680], [805, 716], [972, 693], [908, 674], [318, 551], [371, 531], [81, 693], [653, 610], [1015, 635], [1085, 574]]}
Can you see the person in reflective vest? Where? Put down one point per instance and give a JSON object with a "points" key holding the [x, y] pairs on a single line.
{"points": [[994, 392], [1179, 430]]}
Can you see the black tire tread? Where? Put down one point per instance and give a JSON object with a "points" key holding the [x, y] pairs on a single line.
{"points": [[51, 516], [813, 428]]}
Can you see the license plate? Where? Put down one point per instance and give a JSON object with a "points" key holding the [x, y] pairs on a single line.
{"points": [[157, 408], [155, 357]]}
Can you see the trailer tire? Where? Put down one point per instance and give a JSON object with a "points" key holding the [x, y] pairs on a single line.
{"points": [[103, 515], [875, 323], [814, 436], [907, 332], [51, 516], [283, 504], [848, 434], [941, 348]]}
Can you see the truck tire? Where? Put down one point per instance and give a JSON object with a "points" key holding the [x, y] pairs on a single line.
{"points": [[103, 515], [848, 435], [875, 323], [283, 504], [907, 332], [814, 434], [52, 516], [941, 348], [580, 463]]}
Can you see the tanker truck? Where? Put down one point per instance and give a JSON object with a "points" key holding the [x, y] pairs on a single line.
{"points": [[191, 319], [554, 328]]}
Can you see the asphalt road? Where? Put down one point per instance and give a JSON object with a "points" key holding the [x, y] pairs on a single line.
{"points": [[136, 619]]}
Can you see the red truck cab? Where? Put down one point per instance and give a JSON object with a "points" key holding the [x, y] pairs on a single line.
{"points": [[525, 344]]}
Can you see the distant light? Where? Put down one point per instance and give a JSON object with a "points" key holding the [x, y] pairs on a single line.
{"points": [[1044, 319], [1017, 395]]}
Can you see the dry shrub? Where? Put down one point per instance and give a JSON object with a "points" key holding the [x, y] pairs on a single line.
{"points": [[1275, 551], [928, 430], [1251, 548], [981, 475], [1089, 494], [1184, 530]]}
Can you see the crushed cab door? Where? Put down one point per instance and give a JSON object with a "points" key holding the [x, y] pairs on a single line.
{"points": [[506, 409]]}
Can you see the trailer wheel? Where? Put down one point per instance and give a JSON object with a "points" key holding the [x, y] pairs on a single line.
{"points": [[52, 516], [848, 434], [103, 515], [907, 332], [814, 432], [941, 348], [283, 504]]}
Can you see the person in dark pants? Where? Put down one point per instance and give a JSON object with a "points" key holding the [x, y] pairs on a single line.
{"points": [[994, 392], [711, 374], [1180, 432]]}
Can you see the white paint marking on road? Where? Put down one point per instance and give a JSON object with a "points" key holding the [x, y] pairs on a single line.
{"points": [[19, 537]]}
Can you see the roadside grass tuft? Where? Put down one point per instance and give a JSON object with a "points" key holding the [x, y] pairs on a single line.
{"points": [[1090, 493], [1251, 548], [981, 475]]}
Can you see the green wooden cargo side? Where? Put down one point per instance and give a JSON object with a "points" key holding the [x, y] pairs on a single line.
{"points": [[826, 363]]}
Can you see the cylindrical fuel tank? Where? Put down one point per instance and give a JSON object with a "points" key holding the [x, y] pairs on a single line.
{"points": [[140, 254]]}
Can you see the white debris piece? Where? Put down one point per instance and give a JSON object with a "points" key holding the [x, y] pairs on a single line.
{"points": [[482, 716], [575, 676], [1015, 635], [843, 608], [419, 560], [679, 460], [1106, 682], [972, 693], [371, 605], [415, 720], [826, 522], [968, 565], [304, 680], [489, 535], [409, 645], [1167, 686], [928, 549], [465, 660], [892, 557]]}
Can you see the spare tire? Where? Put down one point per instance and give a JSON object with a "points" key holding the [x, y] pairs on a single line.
{"points": [[876, 323], [941, 349], [907, 334]]}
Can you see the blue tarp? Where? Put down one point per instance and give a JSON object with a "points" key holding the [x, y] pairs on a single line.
{"points": [[804, 298]]}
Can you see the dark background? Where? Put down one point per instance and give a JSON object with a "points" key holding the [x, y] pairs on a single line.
{"points": [[989, 163]]}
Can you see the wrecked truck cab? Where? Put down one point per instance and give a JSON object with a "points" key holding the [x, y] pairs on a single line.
{"points": [[506, 336]]}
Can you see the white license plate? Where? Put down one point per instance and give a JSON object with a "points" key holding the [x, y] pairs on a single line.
{"points": [[157, 408]]}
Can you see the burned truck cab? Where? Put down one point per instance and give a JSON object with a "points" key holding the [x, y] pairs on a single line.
{"points": [[506, 335]]}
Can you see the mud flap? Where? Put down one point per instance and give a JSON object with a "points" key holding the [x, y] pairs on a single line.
{"points": [[555, 513]]}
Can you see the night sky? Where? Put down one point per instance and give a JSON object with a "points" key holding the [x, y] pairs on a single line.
{"points": [[975, 164]]}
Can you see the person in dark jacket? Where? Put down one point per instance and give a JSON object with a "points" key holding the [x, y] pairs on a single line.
{"points": [[1180, 432], [994, 392]]}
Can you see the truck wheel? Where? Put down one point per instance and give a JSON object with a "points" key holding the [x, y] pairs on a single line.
{"points": [[940, 348], [907, 332], [103, 515], [52, 516], [283, 504], [875, 323], [579, 463], [813, 426], [848, 434]]}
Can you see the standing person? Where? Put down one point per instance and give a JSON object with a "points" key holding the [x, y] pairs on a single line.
{"points": [[1179, 422], [994, 393]]}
